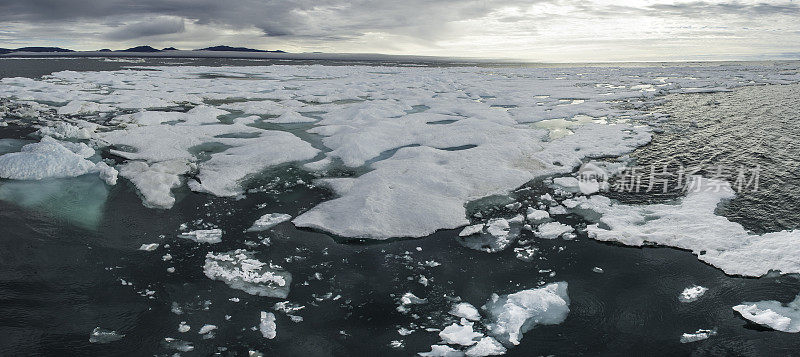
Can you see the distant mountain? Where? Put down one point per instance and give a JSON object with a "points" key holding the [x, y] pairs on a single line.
{"points": [[235, 49], [5, 50], [37, 49], [169, 49], [104, 50], [140, 49]]}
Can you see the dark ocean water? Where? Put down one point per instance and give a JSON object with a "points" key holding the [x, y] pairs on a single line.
{"points": [[63, 259]]}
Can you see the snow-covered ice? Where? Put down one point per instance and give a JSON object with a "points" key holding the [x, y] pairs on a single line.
{"points": [[465, 310], [698, 335], [772, 314], [685, 225], [268, 221], [692, 293], [460, 334], [211, 236], [267, 325], [101, 335], [514, 314]]}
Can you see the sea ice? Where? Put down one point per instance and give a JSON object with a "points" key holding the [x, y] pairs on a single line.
{"points": [[514, 314], [699, 335], [552, 230], [773, 314], [267, 325], [442, 351], [487, 346], [460, 334], [100, 335], [465, 310], [204, 235], [52, 158], [692, 293], [268, 221], [685, 225], [240, 270]]}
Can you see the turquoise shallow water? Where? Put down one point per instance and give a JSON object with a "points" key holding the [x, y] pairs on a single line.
{"points": [[62, 277]]}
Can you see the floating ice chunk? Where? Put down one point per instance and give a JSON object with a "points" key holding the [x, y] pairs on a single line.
{"points": [[514, 314], [183, 327], [685, 225], [268, 221], [699, 335], [470, 230], [155, 182], [100, 335], [773, 314], [63, 130], [692, 293], [178, 345], [409, 299], [552, 230], [568, 183], [204, 235], [465, 310], [537, 215], [598, 270], [442, 351], [498, 227], [460, 334], [240, 270], [149, 247], [206, 329], [52, 158], [487, 346], [267, 325], [558, 210]]}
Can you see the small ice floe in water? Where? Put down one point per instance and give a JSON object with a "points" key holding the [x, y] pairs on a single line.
{"points": [[470, 230], [487, 346], [465, 310], [460, 334], [514, 314], [442, 351], [101, 335], [268, 221], [178, 345], [397, 344], [210, 236], [692, 293], [183, 327], [598, 270], [537, 215], [699, 335], [553, 230], [267, 325], [240, 270], [773, 314], [499, 234], [409, 299], [206, 329], [149, 247]]}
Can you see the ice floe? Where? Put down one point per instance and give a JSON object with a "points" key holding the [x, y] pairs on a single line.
{"points": [[267, 325], [514, 314], [268, 221], [240, 270], [772, 314], [465, 310], [685, 225], [487, 346], [460, 334], [692, 293], [51, 158], [699, 335], [100, 335], [211, 236]]}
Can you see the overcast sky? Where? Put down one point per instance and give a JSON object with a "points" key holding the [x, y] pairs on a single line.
{"points": [[537, 30]]}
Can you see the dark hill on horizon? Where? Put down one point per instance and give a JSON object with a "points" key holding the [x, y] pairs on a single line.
{"points": [[235, 49]]}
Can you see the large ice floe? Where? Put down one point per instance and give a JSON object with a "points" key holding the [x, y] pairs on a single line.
{"points": [[514, 314], [685, 224], [772, 314], [425, 141], [51, 158]]}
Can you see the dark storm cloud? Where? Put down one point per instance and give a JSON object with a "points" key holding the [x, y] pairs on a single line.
{"points": [[274, 17], [153, 27]]}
